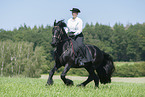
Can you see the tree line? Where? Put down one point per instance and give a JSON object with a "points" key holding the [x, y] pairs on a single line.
{"points": [[18, 58], [123, 43]]}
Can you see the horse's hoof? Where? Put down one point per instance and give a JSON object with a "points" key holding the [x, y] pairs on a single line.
{"points": [[80, 85], [96, 87], [69, 82], [46, 84], [49, 83]]}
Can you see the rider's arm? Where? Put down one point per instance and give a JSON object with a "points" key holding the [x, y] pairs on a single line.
{"points": [[79, 27], [66, 29]]}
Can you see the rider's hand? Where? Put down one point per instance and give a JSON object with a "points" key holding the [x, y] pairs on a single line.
{"points": [[71, 35]]}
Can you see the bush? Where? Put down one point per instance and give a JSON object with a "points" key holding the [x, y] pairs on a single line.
{"points": [[135, 70]]}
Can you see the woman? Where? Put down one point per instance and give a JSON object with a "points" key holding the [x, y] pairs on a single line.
{"points": [[74, 29]]}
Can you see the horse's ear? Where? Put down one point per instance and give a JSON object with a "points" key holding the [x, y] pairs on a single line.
{"points": [[63, 23], [54, 22]]}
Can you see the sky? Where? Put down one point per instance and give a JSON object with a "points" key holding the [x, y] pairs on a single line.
{"points": [[14, 13]]}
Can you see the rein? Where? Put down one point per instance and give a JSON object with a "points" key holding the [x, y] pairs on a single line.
{"points": [[59, 36], [59, 40]]}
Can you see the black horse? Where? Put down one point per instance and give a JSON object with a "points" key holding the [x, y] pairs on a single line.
{"points": [[64, 56]]}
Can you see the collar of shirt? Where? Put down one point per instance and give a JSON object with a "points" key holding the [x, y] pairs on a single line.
{"points": [[73, 20]]}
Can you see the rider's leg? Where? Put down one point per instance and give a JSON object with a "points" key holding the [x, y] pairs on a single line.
{"points": [[80, 49], [83, 50]]}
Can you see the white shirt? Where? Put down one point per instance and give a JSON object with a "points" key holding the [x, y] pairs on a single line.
{"points": [[74, 25]]}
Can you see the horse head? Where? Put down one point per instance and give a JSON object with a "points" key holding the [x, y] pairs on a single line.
{"points": [[57, 32]]}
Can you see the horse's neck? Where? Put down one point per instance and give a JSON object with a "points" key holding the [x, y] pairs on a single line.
{"points": [[63, 45]]}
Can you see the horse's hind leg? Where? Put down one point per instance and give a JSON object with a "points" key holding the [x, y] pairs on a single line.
{"points": [[92, 76]]}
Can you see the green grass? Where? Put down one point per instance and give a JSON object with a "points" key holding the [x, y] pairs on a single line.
{"points": [[31, 87]]}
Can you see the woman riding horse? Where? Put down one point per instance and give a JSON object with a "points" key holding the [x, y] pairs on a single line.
{"points": [[102, 62], [74, 29]]}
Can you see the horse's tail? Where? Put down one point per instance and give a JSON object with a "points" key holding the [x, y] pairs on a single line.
{"points": [[106, 69]]}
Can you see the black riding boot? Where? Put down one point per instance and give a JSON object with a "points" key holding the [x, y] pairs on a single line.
{"points": [[79, 61]]}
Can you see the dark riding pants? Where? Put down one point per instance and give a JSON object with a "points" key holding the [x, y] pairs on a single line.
{"points": [[80, 48]]}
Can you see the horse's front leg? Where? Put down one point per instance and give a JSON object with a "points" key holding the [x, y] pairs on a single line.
{"points": [[51, 73], [65, 80]]}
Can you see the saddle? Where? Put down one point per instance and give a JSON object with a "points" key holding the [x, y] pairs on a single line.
{"points": [[79, 55]]}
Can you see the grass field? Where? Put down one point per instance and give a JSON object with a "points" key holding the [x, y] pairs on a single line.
{"points": [[33, 87]]}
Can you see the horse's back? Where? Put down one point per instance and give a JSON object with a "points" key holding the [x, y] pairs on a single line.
{"points": [[96, 53], [94, 50]]}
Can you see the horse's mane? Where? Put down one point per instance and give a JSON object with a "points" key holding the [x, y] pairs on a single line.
{"points": [[60, 23]]}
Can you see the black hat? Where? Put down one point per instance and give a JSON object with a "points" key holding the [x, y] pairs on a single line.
{"points": [[75, 10]]}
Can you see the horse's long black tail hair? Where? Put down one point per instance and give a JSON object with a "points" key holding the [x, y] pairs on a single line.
{"points": [[106, 69]]}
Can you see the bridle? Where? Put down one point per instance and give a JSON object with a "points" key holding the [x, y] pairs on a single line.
{"points": [[59, 36]]}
